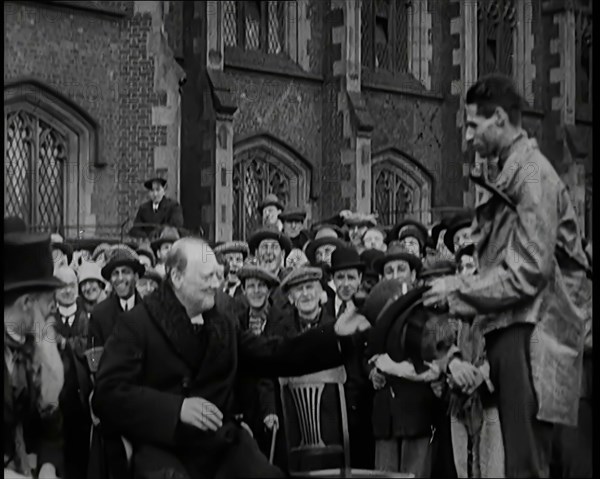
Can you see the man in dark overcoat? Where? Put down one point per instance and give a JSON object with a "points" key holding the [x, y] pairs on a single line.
{"points": [[167, 376], [531, 284], [158, 210]]}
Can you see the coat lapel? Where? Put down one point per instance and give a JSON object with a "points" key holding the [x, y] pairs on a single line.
{"points": [[172, 319]]}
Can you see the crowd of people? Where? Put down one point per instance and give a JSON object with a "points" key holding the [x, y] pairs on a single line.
{"points": [[166, 351]]}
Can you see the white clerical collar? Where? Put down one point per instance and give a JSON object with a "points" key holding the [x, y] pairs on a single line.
{"points": [[67, 311], [127, 304], [198, 319]]}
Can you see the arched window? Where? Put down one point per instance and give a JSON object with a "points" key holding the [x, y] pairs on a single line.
{"points": [[47, 145], [496, 30], [400, 189], [262, 166]]}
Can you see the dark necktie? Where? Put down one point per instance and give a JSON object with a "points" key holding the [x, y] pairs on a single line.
{"points": [[342, 309], [197, 328]]}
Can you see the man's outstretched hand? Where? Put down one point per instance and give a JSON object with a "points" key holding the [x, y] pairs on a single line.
{"points": [[351, 322]]}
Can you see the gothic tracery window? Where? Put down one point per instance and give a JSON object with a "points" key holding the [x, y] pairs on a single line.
{"points": [[259, 170], [495, 36]]}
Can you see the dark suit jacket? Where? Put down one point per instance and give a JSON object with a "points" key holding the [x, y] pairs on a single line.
{"points": [[43, 435], [169, 213], [154, 360], [103, 319]]}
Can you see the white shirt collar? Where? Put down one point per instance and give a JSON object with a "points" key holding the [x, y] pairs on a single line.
{"points": [[198, 319], [331, 284], [67, 310], [128, 304]]}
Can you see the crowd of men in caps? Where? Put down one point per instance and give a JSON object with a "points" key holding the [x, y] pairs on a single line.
{"points": [[166, 353]]}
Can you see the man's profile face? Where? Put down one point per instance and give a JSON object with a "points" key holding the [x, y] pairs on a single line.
{"points": [[347, 282], [481, 133], [34, 310], [202, 277], [462, 238], [157, 192], [123, 281]]}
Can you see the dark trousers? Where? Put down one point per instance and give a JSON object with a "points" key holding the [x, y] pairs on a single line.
{"points": [[527, 441], [242, 459]]}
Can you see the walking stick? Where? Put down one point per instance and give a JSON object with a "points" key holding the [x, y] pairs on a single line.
{"points": [[273, 437]]}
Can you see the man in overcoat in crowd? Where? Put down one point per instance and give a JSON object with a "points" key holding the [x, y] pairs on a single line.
{"points": [[530, 282], [166, 379]]}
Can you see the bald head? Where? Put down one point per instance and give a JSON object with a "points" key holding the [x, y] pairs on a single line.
{"points": [[67, 295], [193, 272]]}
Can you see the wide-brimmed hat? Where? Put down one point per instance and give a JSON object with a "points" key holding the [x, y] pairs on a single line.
{"points": [[346, 258], [146, 251], [312, 246], [14, 224], [397, 252], [233, 247], [397, 229], [101, 248], [28, 263], [459, 221], [120, 256], [368, 257], [270, 200], [168, 235], [379, 296], [301, 275], [293, 214], [90, 271], [269, 233], [258, 272], [148, 182]]}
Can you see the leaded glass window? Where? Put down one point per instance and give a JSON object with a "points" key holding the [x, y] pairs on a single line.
{"points": [[495, 36], [35, 155]]}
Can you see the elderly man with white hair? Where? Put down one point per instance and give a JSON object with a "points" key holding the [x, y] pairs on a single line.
{"points": [[33, 369], [168, 374]]}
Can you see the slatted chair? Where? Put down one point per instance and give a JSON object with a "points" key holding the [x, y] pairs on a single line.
{"points": [[304, 395]]}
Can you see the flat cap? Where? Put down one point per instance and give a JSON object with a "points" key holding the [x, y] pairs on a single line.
{"points": [[233, 247], [293, 214], [301, 275], [258, 272]]}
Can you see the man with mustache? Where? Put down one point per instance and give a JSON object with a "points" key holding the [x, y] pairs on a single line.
{"points": [[167, 378], [33, 370]]}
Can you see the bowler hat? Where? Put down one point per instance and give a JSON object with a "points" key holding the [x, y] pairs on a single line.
{"points": [[258, 272], [368, 257], [312, 246], [397, 252], [293, 214], [148, 182], [122, 257], [301, 275], [14, 224], [360, 219], [270, 200], [397, 229], [379, 296], [346, 258], [28, 262], [269, 233], [233, 247], [459, 221]]}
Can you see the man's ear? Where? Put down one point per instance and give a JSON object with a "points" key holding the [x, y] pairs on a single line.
{"points": [[501, 116]]}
